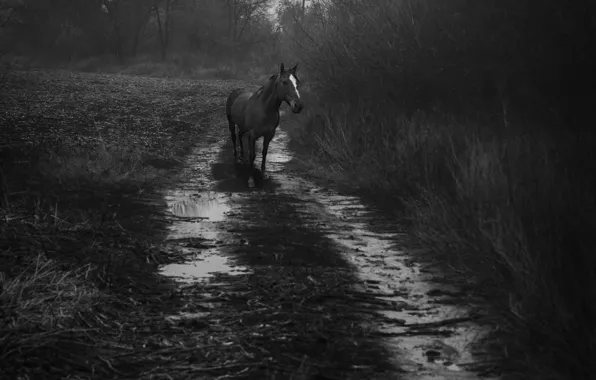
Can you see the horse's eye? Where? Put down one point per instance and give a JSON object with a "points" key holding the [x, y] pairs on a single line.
{"points": [[284, 81]]}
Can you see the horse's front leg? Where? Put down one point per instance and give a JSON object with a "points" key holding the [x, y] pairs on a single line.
{"points": [[266, 140], [252, 154], [232, 128]]}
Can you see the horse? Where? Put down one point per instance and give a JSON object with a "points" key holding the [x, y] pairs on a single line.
{"points": [[257, 113]]}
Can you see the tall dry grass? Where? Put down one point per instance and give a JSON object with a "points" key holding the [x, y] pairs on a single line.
{"points": [[505, 197], [58, 258]]}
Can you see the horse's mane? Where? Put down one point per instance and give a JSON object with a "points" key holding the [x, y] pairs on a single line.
{"points": [[259, 92]]}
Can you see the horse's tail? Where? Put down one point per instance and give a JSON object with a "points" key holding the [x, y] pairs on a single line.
{"points": [[231, 99]]}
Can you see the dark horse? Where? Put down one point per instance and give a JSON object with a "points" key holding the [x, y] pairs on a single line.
{"points": [[257, 113]]}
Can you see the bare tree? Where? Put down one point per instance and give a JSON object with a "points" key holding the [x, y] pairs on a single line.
{"points": [[113, 9], [8, 11], [164, 18], [241, 13], [230, 29], [139, 14], [128, 17]]}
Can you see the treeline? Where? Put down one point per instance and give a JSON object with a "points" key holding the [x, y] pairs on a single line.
{"points": [[530, 59], [76, 29]]}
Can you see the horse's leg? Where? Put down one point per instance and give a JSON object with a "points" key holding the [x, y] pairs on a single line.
{"points": [[240, 138], [252, 154], [232, 127], [266, 140]]}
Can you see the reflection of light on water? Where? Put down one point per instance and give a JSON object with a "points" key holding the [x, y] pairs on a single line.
{"points": [[210, 209], [202, 268]]}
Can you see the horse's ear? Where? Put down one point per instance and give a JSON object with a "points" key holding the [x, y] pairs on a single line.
{"points": [[281, 68], [293, 69]]}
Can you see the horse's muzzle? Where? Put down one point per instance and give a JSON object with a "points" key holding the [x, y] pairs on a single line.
{"points": [[296, 106]]}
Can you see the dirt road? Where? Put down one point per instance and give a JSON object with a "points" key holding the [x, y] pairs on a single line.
{"points": [[305, 281], [289, 280]]}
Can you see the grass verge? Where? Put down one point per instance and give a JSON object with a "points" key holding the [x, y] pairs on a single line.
{"points": [[511, 208], [82, 158], [69, 265]]}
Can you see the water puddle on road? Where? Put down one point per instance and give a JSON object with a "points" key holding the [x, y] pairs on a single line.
{"points": [[197, 220], [208, 209], [203, 266]]}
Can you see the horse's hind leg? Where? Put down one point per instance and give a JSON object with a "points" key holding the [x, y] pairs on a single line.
{"points": [[232, 127], [252, 154], [240, 138]]}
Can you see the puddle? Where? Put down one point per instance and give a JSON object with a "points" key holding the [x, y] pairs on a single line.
{"points": [[202, 267], [207, 209]]}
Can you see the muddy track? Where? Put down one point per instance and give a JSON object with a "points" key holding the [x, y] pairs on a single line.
{"points": [[298, 281]]}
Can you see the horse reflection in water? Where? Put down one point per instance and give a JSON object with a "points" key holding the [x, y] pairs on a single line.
{"points": [[257, 113]]}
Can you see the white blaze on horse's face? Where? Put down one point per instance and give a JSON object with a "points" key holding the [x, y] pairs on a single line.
{"points": [[293, 98], [295, 84]]}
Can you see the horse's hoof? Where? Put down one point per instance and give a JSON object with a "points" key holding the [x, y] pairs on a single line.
{"points": [[265, 175], [251, 183]]}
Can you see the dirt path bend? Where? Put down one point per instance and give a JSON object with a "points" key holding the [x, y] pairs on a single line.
{"points": [[294, 281]]}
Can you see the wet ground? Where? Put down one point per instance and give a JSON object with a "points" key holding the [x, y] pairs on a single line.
{"points": [[317, 280]]}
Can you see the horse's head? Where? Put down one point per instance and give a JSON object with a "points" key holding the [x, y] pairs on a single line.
{"points": [[287, 88]]}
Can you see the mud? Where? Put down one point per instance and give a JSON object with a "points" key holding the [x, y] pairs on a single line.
{"points": [[368, 307]]}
